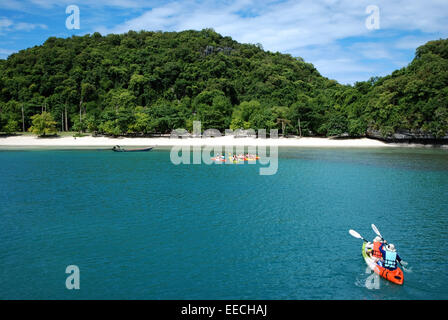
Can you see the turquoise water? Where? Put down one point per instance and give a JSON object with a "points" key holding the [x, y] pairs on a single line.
{"points": [[139, 227]]}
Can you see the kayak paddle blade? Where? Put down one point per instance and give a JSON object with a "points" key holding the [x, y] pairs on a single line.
{"points": [[375, 229], [355, 234]]}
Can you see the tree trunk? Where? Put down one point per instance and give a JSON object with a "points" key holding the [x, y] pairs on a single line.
{"points": [[80, 115], [66, 118], [23, 120]]}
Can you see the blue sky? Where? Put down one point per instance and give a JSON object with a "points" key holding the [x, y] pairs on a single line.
{"points": [[331, 34]]}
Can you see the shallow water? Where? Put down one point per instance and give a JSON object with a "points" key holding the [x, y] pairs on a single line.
{"points": [[140, 227]]}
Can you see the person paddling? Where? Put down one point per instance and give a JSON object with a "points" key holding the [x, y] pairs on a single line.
{"points": [[375, 247], [390, 257]]}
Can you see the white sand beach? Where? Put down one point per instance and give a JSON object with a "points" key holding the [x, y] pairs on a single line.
{"points": [[30, 142]]}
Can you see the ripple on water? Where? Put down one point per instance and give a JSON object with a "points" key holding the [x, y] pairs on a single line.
{"points": [[140, 227]]}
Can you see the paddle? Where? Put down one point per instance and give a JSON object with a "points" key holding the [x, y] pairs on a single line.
{"points": [[375, 229], [355, 234]]}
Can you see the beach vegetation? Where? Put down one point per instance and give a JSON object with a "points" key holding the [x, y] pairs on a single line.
{"points": [[43, 124], [153, 82]]}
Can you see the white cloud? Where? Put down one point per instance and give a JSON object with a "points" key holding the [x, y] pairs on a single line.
{"points": [[329, 33], [425, 16], [24, 26], [11, 5], [97, 3], [308, 28], [412, 42], [5, 23], [373, 50], [347, 65], [288, 25], [9, 25], [4, 53], [279, 26]]}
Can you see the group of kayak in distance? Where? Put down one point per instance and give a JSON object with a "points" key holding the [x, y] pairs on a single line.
{"points": [[236, 158], [382, 257]]}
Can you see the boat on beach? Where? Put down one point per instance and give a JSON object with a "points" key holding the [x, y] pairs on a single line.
{"points": [[118, 148]]}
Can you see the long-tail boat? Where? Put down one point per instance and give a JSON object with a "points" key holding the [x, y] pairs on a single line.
{"points": [[118, 148]]}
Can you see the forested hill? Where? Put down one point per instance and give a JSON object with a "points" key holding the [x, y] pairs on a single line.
{"points": [[414, 99], [153, 82]]}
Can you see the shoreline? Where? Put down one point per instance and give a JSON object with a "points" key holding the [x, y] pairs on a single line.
{"points": [[88, 142]]}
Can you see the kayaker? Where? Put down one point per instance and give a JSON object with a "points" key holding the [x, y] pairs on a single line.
{"points": [[375, 247], [390, 257]]}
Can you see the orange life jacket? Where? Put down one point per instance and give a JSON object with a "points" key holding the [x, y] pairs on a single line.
{"points": [[376, 250]]}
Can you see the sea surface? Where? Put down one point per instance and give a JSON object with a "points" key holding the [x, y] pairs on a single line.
{"points": [[139, 227]]}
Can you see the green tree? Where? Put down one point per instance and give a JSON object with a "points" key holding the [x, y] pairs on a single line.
{"points": [[142, 122], [94, 83], [43, 124], [11, 126]]}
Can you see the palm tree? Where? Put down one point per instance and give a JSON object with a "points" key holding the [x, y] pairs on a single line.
{"points": [[284, 122]]}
